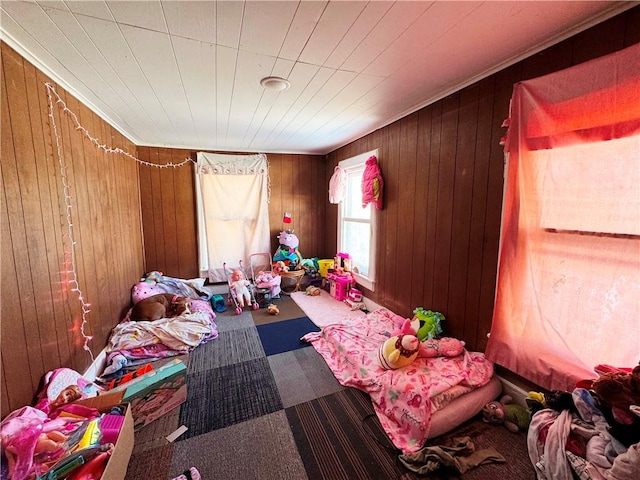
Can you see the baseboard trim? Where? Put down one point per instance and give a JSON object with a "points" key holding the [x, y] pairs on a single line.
{"points": [[517, 392]]}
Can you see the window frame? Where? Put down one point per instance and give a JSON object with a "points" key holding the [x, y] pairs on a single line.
{"points": [[350, 166]]}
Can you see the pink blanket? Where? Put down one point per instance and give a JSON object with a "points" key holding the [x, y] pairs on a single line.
{"points": [[401, 398]]}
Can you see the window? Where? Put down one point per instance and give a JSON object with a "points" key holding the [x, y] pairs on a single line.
{"points": [[356, 225], [568, 287]]}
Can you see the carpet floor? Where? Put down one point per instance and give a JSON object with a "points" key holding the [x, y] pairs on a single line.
{"points": [[261, 404]]}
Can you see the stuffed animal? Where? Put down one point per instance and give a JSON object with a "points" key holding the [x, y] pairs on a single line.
{"points": [[273, 309], [153, 277], [288, 249], [514, 417], [617, 392], [398, 351], [429, 323], [280, 267], [443, 347], [313, 291], [239, 285]]}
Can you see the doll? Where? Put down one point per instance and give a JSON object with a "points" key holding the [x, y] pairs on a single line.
{"points": [[239, 285]]}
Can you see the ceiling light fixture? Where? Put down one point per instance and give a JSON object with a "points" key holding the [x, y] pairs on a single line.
{"points": [[275, 83]]}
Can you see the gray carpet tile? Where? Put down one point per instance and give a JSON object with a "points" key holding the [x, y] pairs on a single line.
{"points": [[151, 464], [153, 435], [228, 395], [228, 320], [231, 347], [317, 372], [293, 385], [302, 375], [262, 448]]}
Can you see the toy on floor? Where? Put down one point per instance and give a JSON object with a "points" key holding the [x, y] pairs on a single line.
{"points": [[273, 309], [514, 417], [313, 291], [398, 351]]}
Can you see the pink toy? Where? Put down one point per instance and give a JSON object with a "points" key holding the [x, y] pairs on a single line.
{"points": [[144, 290], [443, 347]]}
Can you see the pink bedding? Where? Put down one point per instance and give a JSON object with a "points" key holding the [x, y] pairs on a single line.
{"points": [[402, 399]]}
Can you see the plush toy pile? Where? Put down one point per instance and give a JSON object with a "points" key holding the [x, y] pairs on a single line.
{"points": [[423, 327]]}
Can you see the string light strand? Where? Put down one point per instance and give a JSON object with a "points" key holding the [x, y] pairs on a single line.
{"points": [[72, 272], [52, 92]]}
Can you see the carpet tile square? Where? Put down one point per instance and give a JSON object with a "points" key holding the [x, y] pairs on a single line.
{"points": [[228, 395], [234, 346], [261, 448], [285, 336]]}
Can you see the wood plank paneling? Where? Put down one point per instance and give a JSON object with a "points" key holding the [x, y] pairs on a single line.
{"points": [[45, 315], [451, 167], [454, 174], [169, 212]]}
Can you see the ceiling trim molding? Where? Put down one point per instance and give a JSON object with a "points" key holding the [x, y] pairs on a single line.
{"points": [[35, 61], [616, 9]]}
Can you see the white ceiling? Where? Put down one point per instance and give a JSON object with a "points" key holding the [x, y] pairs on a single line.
{"points": [[186, 74]]}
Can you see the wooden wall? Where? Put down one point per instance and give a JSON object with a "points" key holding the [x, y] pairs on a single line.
{"points": [[41, 317], [438, 233], [443, 168], [169, 212]]}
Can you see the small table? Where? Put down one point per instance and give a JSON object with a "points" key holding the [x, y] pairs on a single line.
{"points": [[294, 274]]}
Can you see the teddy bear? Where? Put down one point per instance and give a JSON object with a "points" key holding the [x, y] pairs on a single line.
{"points": [[273, 309], [398, 351], [514, 417]]}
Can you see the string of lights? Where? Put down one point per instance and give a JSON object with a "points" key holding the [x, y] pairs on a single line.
{"points": [[72, 270], [52, 92]]}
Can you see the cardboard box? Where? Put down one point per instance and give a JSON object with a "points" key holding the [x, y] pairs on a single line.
{"points": [[155, 393], [116, 468]]}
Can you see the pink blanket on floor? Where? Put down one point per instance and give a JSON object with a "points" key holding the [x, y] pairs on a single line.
{"points": [[401, 398]]}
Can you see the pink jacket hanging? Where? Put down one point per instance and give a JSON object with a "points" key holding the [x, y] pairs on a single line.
{"points": [[337, 185], [372, 183]]}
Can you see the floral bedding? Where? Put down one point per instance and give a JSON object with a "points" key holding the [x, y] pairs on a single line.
{"points": [[401, 398]]}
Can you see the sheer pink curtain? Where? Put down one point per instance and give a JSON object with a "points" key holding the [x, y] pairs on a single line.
{"points": [[568, 289]]}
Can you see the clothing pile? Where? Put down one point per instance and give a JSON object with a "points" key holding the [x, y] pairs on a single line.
{"points": [[596, 438]]}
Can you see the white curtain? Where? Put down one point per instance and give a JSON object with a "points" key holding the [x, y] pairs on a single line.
{"points": [[233, 211]]}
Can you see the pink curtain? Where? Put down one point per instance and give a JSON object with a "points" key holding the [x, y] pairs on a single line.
{"points": [[568, 287]]}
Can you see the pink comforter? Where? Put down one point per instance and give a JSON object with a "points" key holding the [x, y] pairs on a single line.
{"points": [[401, 398]]}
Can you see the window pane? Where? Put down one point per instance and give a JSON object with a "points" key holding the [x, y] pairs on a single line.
{"points": [[356, 243], [353, 200]]}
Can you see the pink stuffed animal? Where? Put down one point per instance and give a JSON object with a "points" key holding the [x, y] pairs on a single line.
{"points": [[443, 347]]}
